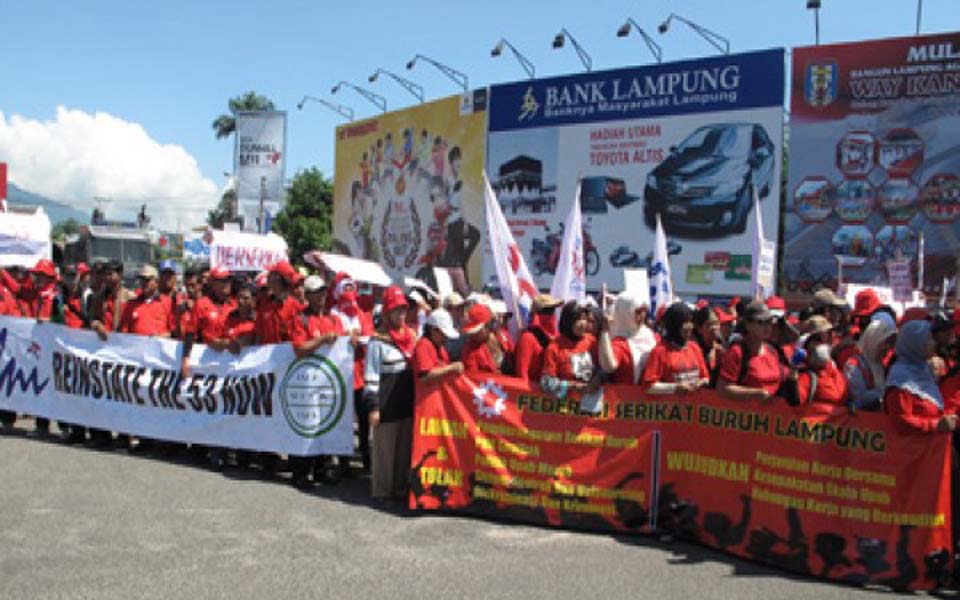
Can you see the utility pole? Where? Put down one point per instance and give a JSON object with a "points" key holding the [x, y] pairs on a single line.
{"points": [[263, 198]]}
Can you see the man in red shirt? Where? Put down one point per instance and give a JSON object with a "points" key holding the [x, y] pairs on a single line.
{"points": [[107, 305], [43, 301], [275, 317], [211, 310], [150, 313], [535, 338], [239, 326], [314, 328], [821, 382]]}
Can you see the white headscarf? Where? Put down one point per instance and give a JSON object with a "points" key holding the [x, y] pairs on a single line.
{"points": [[640, 338], [876, 333]]}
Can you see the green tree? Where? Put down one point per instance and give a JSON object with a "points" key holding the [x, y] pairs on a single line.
{"points": [[63, 229], [226, 124], [224, 212], [306, 222]]}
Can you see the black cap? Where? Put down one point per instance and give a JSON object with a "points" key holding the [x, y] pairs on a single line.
{"points": [[115, 265], [756, 311]]}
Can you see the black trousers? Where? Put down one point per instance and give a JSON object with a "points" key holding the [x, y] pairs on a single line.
{"points": [[363, 425]]}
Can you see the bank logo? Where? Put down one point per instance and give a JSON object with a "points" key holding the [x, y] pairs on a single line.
{"points": [[529, 107], [490, 400], [313, 396], [821, 84]]}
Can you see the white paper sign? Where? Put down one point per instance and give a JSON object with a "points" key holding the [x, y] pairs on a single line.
{"points": [[238, 251]]}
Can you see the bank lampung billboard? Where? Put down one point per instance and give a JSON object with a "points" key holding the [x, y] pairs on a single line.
{"points": [[408, 190], [685, 139], [874, 160]]}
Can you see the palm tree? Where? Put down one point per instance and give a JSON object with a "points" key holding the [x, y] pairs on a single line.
{"points": [[225, 125]]}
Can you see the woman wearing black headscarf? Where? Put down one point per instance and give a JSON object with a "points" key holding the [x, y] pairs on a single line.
{"points": [[676, 365], [570, 360]]}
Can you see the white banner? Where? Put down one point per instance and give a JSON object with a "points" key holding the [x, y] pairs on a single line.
{"points": [[901, 279], [24, 238], [258, 165], [570, 281], [262, 399], [238, 251]]}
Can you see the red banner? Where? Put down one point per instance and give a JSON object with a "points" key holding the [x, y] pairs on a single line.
{"points": [[828, 494]]}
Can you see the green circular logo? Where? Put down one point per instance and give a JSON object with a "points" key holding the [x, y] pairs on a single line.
{"points": [[313, 396]]}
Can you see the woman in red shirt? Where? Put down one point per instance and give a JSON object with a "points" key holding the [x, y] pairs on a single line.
{"points": [[534, 339], [913, 398], [626, 356], [482, 352], [676, 365], [821, 381], [763, 375], [430, 359], [570, 360]]}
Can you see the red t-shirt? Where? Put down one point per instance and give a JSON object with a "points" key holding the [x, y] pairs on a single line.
{"points": [[275, 320], [571, 360], [8, 304], [911, 413], [847, 353], [669, 364], [427, 357], [623, 353], [366, 330], [41, 302], [950, 389], [831, 386], [236, 326], [314, 327], [529, 357], [73, 314], [764, 370], [143, 316], [476, 357], [210, 318]]}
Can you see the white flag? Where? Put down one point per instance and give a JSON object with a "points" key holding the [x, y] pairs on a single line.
{"points": [[764, 256], [661, 285], [570, 281], [516, 284]]}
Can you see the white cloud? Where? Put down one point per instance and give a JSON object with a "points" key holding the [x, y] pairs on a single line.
{"points": [[79, 156]]}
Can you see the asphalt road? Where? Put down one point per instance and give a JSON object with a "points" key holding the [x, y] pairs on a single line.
{"points": [[83, 523]]}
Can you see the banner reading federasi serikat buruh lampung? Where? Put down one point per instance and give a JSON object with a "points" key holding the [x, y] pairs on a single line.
{"points": [[687, 140], [874, 161], [259, 156], [408, 191]]}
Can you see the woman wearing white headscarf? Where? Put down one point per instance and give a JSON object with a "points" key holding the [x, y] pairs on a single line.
{"points": [[865, 373], [912, 396], [626, 354]]}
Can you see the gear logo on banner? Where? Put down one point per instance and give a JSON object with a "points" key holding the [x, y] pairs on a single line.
{"points": [[312, 396], [489, 399]]}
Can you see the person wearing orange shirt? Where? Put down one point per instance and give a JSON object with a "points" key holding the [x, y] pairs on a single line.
{"points": [[482, 352], [752, 369], [211, 310], [276, 315], [913, 399], [150, 313], [431, 362], [676, 365], [43, 303]]}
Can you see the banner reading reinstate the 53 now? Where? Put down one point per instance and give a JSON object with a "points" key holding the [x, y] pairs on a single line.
{"points": [[685, 139]]}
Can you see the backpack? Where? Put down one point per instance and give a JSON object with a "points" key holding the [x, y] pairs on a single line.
{"points": [[540, 335]]}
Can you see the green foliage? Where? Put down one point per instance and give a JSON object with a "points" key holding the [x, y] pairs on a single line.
{"points": [[306, 222], [224, 210], [61, 230], [226, 124]]}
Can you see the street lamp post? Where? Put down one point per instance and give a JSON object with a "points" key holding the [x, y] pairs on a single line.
{"points": [[344, 111], [716, 40], [408, 85], [560, 39], [523, 60], [375, 99], [653, 46], [453, 74], [814, 5]]}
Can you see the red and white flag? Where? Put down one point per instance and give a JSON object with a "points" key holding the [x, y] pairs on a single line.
{"points": [[516, 284], [570, 282]]}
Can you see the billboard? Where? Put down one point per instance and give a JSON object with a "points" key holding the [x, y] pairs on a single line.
{"points": [[258, 164], [408, 189], [874, 161], [687, 140]]}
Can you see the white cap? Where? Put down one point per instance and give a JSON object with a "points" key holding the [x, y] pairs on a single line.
{"points": [[499, 307], [314, 283], [442, 320]]}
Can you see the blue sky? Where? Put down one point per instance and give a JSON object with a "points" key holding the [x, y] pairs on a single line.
{"points": [[170, 66]]}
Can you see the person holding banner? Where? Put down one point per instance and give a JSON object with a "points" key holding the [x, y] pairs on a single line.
{"points": [[535, 337], [150, 313], [389, 391], [211, 309], [752, 368], [865, 371], [912, 395], [278, 312], [626, 355], [708, 335], [676, 364], [107, 304], [482, 352], [570, 361], [820, 381], [431, 362]]}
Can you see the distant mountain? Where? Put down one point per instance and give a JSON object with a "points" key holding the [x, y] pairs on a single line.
{"points": [[55, 210]]}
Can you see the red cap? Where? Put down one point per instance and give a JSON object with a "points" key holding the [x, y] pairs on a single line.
{"points": [[45, 267], [82, 269], [284, 269], [777, 306], [261, 279], [724, 316], [478, 316], [702, 303], [393, 298], [219, 273], [735, 301], [793, 320], [915, 313], [866, 303]]}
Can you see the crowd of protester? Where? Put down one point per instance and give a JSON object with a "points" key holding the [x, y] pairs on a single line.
{"points": [[859, 358]]}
